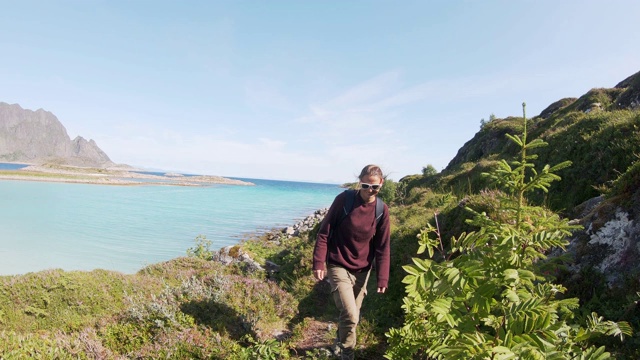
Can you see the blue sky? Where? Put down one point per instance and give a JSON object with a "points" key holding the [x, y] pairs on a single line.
{"points": [[303, 90]]}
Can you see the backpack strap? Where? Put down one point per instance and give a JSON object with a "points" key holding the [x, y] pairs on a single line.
{"points": [[349, 201], [379, 210]]}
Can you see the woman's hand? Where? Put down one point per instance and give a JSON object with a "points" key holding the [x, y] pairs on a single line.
{"points": [[319, 274], [381, 290]]}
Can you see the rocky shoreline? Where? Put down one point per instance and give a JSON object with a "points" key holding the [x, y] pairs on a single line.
{"points": [[110, 176], [234, 254]]}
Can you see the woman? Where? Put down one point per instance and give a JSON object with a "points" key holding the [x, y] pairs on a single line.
{"points": [[346, 257]]}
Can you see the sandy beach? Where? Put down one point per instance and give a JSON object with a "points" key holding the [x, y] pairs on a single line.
{"points": [[120, 175]]}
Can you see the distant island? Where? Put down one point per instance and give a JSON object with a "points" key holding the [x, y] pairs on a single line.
{"points": [[110, 176], [39, 140]]}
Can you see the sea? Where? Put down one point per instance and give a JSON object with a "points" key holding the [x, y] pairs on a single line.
{"points": [[48, 225]]}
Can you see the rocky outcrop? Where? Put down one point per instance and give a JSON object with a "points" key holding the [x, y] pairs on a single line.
{"points": [[491, 139], [300, 227], [609, 241], [558, 105], [630, 98], [39, 137], [234, 254]]}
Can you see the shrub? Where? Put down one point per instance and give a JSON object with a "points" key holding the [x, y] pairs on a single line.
{"points": [[388, 191], [202, 250], [269, 349]]}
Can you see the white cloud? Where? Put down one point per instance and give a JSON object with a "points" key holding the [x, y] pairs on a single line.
{"points": [[205, 153]]}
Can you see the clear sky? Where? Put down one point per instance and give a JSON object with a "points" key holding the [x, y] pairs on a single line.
{"points": [[303, 90]]}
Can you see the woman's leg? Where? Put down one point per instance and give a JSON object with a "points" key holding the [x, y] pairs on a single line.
{"points": [[348, 293]]}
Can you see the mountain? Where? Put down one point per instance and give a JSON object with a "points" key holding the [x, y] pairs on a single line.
{"points": [[39, 137], [598, 132]]}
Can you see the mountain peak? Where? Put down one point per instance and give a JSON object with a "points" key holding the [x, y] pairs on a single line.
{"points": [[39, 137]]}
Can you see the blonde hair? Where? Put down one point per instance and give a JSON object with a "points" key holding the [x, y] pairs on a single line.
{"points": [[371, 170]]}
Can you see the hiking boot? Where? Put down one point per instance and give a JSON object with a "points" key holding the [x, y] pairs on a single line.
{"points": [[347, 354], [335, 350]]}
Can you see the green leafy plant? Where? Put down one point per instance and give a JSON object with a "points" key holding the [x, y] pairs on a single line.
{"points": [[202, 250], [269, 349], [482, 296]]}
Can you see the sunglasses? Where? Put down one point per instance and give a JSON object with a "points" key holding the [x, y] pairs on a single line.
{"points": [[372, 186]]}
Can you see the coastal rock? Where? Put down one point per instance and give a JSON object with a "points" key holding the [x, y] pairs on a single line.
{"points": [[305, 224], [234, 255], [253, 266], [223, 256]]}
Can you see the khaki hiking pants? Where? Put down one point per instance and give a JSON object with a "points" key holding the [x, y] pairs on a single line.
{"points": [[348, 290]]}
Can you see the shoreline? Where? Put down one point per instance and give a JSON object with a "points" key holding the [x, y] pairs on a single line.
{"points": [[110, 176]]}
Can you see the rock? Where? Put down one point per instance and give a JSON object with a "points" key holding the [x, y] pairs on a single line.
{"points": [[593, 107], [609, 241], [630, 98], [251, 264], [224, 256], [304, 225], [558, 105], [271, 267]]}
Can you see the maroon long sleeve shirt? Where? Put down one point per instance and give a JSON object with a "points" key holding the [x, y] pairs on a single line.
{"points": [[356, 243]]}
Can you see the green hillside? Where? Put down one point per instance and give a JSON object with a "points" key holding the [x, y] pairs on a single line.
{"points": [[598, 132]]}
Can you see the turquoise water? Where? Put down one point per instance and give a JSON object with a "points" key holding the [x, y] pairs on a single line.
{"points": [[9, 166], [124, 228]]}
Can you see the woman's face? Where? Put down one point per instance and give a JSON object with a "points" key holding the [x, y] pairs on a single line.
{"points": [[367, 185]]}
